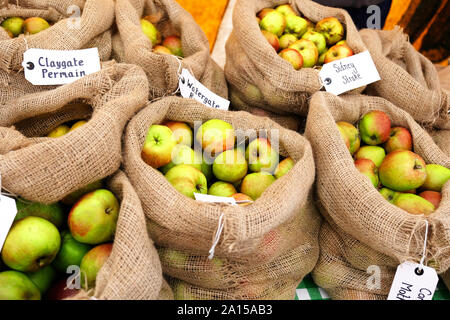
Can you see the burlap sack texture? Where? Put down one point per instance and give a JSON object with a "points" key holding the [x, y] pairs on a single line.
{"points": [[46, 169], [279, 221], [259, 76], [408, 79], [162, 70], [351, 201], [133, 270]]}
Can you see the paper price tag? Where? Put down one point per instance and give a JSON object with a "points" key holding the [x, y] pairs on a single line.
{"points": [[56, 67], [349, 73], [192, 88], [8, 211], [413, 281], [214, 199]]}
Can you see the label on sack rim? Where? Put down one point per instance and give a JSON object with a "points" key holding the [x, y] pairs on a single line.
{"points": [[214, 199], [349, 73], [8, 211], [57, 67]]}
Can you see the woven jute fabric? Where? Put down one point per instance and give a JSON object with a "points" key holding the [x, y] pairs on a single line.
{"points": [[408, 79], [351, 201], [254, 235], [67, 31], [46, 169], [133, 269], [163, 70], [261, 77]]}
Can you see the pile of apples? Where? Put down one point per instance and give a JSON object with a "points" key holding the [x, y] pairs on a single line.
{"points": [[217, 166], [65, 128], [387, 159], [170, 44], [299, 41], [45, 246], [15, 26]]}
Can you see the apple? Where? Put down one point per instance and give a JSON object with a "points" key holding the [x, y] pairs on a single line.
{"points": [[215, 136], [73, 197], [293, 57], [60, 291], [318, 39], [437, 176], [433, 196], [92, 262], [173, 43], [31, 244], [150, 32], [43, 278], [51, 212], [254, 184], [321, 59], [14, 25], [8, 32], [274, 22], [59, 131], [222, 189], [93, 218], [264, 12], [296, 25], [272, 39], [332, 29], [174, 258], [337, 52], [181, 131], [230, 166], [158, 146], [187, 180], [246, 200], [182, 154], [413, 203], [34, 25], [388, 194], [252, 92], [342, 42], [369, 169], [399, 139], [206, 168], [402, 170], [71, 252], [286, 40], [308, 50], [17, 286], [283, 167], [374, 153], [375, 127], [285, 9], [77, 125], [261, 156], [349, 132], [161, 49]]}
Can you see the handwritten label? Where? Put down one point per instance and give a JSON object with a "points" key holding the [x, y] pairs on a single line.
{"points": [[55, 67], [214, 199], [8, 211], [349, 73], [413, 281], [193, 89]]}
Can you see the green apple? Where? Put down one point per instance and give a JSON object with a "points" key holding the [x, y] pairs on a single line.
{"points": [[318, 39], [73, 197], [286, 10], [286, 40], [182, 154], [402, 170], [433, 196], [150, 32], [59, 131], [293, 57], [296, 25], [77, 124], [388, 194], [375, 127], [34, 25], [413, 203], [321, 59], [437, 176], [158, 146], [43, 278], [187, 180], [230, 166], [92, 262], [308, 50], [274, 22], [51, 212], [17, 286], [31, 244], [71, 252], [332, 29], [284, 167], [173, 43], [93, 219], [13, 25], [215, 136], [399, 139], [182, 132], [264, 12], [351, 134], [369, 169], [222, 189], [254, 184], [206, 168], [261, 156], [374, 153]]}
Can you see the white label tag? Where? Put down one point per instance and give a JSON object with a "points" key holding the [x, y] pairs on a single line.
{"points": [[55, 67], [192, 88], [8, 211], [410, 284], [349, 73], [214, 199]]}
